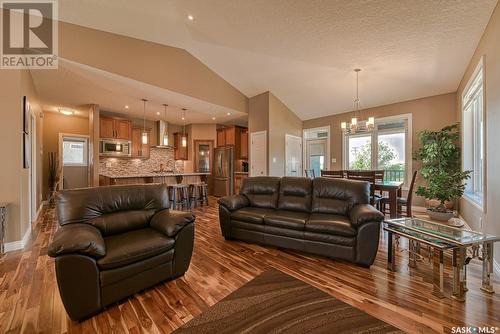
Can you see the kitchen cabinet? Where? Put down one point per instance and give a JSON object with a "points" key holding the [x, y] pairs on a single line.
{"points": [[243, 143], [237, 136], [115, 128], [180, 152], [140, 150]]}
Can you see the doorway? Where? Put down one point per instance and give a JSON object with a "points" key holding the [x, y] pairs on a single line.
{"points": [[293, 155], [258, 153], [317, 149], [74, 153]]}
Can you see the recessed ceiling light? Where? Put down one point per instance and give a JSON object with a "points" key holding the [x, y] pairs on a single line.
{"points": [[67, 112], [213, 118], [126, 107], [190, 17], [158, 113], [229, 114], [183, 118]]}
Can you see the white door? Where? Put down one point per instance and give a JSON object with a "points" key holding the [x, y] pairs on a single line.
{"points": [[293, 155], [75, 166], [258, 153]]}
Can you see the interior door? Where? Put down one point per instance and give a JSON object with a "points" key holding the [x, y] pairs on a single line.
{"points": [[293, 155], [75, 162], [258, 153]]}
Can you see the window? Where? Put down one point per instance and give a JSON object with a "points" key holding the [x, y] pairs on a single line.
{"points": [[388, 147], [473, 136], [74, 152]]}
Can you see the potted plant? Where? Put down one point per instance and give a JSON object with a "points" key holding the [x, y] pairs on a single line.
{"points": [[441, 168], [53, 178]]}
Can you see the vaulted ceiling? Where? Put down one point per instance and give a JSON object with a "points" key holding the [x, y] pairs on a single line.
{"points": [[304, 51]]}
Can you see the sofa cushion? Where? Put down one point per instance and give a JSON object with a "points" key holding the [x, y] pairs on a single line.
{"points": [[122, 221], [126, 248], [287, 219], [261, 191], [330, 224], [251, 215], [338, 196], [330, 239], [295, 194], [82, 205]]}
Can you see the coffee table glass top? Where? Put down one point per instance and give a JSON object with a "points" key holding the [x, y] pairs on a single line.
{"points": [[449, 234]]}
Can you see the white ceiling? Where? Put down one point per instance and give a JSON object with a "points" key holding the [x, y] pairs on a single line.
{"points": [[304, 51], [75, 85]]}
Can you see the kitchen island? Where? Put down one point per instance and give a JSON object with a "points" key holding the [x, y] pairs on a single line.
{"points": [[109, 179]]}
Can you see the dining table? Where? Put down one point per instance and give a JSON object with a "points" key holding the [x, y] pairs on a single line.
{"points": [[394, 190]]}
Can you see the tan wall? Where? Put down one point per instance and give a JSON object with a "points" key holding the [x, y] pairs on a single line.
{"points": [[13, 178], [267, 113], [55, 123], [282, 121], [159, 65], [431, 113], [489, 47]]}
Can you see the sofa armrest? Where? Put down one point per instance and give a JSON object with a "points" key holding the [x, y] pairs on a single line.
{"points": [[170, 222], [365, 213], [83, 239], [234, 202]]}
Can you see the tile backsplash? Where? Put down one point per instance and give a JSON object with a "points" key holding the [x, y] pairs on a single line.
{"points": [[164, 156]]}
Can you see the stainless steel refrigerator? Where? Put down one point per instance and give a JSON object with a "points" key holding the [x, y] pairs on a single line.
{"points": [[223, 171]]}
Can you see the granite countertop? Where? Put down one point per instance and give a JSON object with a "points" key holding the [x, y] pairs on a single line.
{"points": [[146, 174]]}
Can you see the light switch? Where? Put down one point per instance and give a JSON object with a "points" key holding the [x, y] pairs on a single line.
{"points": [[274, 160], [334, 160]]}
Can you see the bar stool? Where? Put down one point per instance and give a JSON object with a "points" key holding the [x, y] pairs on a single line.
{"points": [[199, 194], [179, 196]]}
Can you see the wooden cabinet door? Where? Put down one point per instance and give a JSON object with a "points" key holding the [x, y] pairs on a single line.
{"points": [[106, 127], [136, 142], [123, 129], [221, 137], [244, 144], [181, 153], [231, 136]]}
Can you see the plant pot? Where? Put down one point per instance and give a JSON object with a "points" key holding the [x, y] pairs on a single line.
{"points": [[441, 216], [434, 202]]}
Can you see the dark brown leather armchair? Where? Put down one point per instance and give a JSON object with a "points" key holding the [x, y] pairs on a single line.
{"points": [[330, 217], [115, 241]]}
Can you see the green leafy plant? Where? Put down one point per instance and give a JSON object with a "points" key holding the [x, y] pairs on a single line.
{"points": [[441, 165]]}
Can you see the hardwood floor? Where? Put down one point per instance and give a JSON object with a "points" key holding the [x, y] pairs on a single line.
{"points": [[30, 302]]}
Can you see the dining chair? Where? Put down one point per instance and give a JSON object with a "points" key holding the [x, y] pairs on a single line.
{"points": [[405, 203], [310, 173], [367, 176], [333, 174], [379, 177]]}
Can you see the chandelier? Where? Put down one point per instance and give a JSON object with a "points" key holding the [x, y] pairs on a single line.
{"points": [[356, 126]]}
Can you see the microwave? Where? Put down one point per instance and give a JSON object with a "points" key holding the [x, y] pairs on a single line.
{"points": [[115, 148]]}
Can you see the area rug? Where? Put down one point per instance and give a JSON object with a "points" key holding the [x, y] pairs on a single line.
{"points": [[274, 302]]}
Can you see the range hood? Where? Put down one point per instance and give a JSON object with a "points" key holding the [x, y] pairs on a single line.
{"points": [[161, 127]]}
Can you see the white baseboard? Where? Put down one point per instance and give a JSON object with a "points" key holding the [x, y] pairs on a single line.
{"points": [[19, 244]]}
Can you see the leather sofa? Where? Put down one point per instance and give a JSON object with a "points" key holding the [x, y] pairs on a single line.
{"points": [[115, 241], [329, 217]]}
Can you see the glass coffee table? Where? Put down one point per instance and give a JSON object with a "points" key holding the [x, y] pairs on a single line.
{"points": [[441, 238]]}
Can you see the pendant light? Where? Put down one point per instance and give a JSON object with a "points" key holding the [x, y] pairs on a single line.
{"points": [[354, 126], [165, 131], [144, 133], [184, 136]]}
